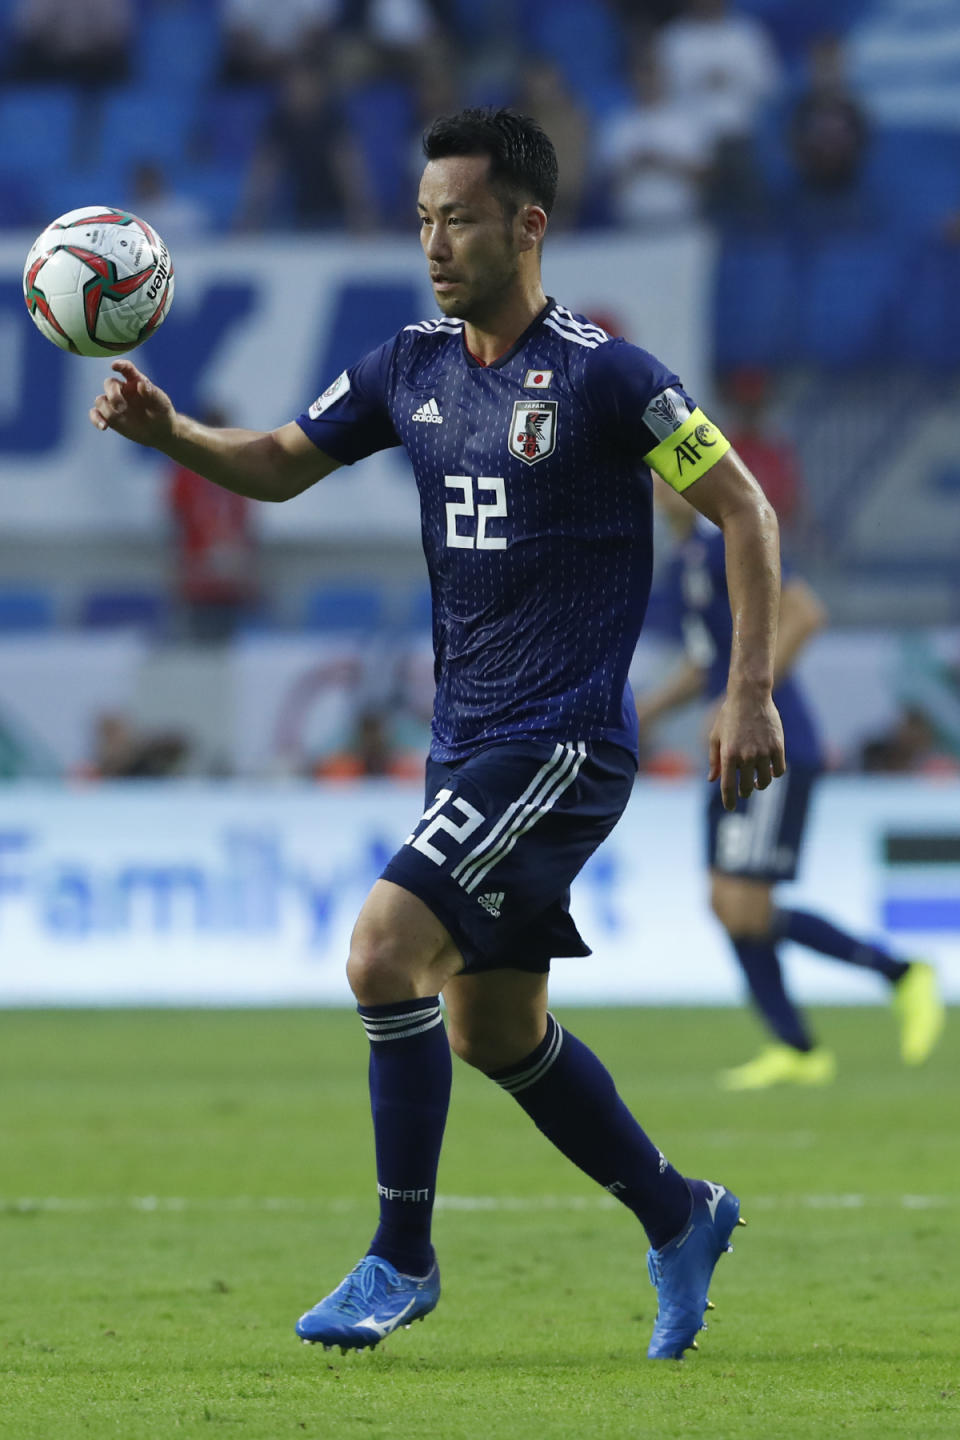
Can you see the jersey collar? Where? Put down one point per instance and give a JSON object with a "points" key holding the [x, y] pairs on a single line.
{"points": [[474, 364]]}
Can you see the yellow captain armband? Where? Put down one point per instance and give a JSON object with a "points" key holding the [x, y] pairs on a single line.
{"points": [[689, 452]]}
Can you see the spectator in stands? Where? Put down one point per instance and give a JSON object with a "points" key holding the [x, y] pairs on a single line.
{"points": [[172, 213], [371, 754], [85, 42], [724, 67], [910, 747], [307, 168], [215, 551], [828, 136], [546, 96], [122, 752], [655, 155], [262, 38], [764, 449]]}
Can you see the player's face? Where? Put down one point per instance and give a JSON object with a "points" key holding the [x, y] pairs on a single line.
{"points": [[471, 245]]}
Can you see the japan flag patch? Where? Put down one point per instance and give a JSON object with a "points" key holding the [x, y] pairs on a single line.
{"points": [[537, 379], [533, 430]]}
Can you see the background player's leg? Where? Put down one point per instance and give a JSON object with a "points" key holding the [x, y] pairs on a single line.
{"points": [[400, 956], [499, 1023], [745, 909], [916, 996]]}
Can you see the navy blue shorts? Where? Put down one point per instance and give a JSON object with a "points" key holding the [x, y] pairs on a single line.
{"points": [[760, 839], [503, 835]]}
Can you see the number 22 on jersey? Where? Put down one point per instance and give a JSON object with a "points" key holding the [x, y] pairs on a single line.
{"points": [[474, 513]]}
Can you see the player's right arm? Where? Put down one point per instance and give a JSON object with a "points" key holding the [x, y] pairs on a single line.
{"points": [[261, 464]]}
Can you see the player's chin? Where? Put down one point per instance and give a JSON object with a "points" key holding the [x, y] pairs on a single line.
{"points": [[447, 300]]}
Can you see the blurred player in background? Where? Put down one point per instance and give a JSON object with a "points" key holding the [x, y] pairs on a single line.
{"points": [[531, 433], [758, 844]]}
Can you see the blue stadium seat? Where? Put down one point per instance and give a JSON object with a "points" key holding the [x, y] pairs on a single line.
{"points": [[38, 128], [850, 288], [913, 178], [145, 610], [382, 119], [230, 123], [141, 124], [25, 610], [587, 42], [754, 301], [924, 327], [178, 46], [343, 607]]}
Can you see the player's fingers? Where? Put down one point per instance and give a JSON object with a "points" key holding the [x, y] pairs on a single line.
{"points": [[714, 771], [748, 781], [127, 369], [113, 390], [728, 784], [764, 774], [779, 765], [100, 413]]}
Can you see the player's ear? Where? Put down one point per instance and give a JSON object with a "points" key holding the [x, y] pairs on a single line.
{"points": [[532, 221]]}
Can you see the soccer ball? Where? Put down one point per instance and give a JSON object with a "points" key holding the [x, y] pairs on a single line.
{"points": [[98, 281]]}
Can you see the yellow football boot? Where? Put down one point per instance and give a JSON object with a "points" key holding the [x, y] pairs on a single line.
{"points": [[920, 1010], [781, 1065]]}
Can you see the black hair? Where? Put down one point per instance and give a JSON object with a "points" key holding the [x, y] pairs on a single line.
{"points": [[523, 162]]}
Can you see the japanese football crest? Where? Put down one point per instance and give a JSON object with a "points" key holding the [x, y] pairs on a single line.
{"points": [[533, 430]]}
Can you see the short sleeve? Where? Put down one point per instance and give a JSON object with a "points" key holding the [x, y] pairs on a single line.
{"points": [[653, 415], [351, 419]]}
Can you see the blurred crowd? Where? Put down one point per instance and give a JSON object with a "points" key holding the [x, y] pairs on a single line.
{"points": [[276, 114]]}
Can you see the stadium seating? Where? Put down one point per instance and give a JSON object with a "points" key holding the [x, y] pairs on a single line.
{"points": [[130, 127], [755, 300], [178, 46], [849, 293], [38, 128]]}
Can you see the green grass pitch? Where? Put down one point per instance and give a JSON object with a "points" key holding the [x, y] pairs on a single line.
{"points": [[178, 1187]]}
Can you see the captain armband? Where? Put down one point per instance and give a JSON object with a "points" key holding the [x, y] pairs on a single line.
{"points": [[689, 452]]}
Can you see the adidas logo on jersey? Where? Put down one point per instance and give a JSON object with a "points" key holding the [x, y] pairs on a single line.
{"points": [[492, 902], [428, 413]]}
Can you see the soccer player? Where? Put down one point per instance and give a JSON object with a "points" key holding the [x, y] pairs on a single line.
{"points": [[758, 845], [531, 433]]}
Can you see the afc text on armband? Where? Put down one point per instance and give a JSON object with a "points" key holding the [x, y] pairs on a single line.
{"points": [[689, 450]]}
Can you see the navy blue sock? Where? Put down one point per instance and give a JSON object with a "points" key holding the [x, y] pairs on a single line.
{"points": [[570, 1096], [410, 1075], [818, 934], [761, 966]]}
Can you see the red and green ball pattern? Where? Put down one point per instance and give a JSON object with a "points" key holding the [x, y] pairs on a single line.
{"points": [[105, 283]]}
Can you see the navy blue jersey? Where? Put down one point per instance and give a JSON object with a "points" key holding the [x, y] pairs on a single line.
{"points": [[535, 500], [697, 581]]}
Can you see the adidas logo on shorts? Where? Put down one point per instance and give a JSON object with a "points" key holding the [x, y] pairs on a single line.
{"points": [[492, 902], [429, 413]]}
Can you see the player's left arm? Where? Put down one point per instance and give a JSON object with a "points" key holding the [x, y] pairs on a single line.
{"points": [[747, 738]]}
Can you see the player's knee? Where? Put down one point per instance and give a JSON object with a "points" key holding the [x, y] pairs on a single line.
{"points": [[743, 911], [377, 970], [490, 1048]]}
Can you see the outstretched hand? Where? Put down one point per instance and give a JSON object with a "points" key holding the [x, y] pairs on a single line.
{"points": [[133, 406], [746, 748]]}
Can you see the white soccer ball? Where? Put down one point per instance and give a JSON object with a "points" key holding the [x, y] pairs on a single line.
{"points": [[98, 281]]}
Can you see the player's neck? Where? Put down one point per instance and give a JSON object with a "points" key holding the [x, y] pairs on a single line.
{"points": [[492, 337]]}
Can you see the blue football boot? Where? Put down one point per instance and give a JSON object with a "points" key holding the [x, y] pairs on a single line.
{"points": [[681, 1270], [369, 1305]]}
